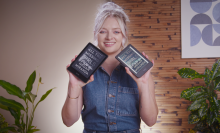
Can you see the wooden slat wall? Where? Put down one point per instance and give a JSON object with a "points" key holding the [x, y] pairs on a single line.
{"points": [[155, 28]]}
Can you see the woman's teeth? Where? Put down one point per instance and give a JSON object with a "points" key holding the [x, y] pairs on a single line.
{"points": [[109, 43]]}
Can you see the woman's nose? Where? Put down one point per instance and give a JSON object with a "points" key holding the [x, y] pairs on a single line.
{"points": [[109, 36]]}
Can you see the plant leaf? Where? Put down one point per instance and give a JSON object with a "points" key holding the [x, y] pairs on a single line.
{"points": [[31, 97], [11, 89], [22, 121], [30, 82], [33, 130], [30, 127], [193, 118], [214, 105], [44, 96], [6, 129], [3, 106], [210, 117], [189, 73], [208, 76], [197, 95], [189, 92], [217, 84], [203, 109], [218, 118], [215, 69], [40, 80], [11, 103], [219, 104], [16, 115], [201, 125], [196, 104]]}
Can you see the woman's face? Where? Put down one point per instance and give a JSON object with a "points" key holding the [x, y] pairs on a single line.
{"points": [[110, 36]]}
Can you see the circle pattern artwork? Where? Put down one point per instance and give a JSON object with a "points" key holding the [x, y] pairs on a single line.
{"points": [[200, 6], [195, 35], [216, 12]]}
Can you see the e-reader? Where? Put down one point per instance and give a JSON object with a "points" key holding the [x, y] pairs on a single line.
{"points": [[137, 63], [87, 62]]}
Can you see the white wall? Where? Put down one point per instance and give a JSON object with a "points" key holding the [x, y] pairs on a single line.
{"points": [[44, 35]]}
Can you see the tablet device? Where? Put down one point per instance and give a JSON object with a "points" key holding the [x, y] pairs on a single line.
{"points": [[87, 62], [137, 63]]}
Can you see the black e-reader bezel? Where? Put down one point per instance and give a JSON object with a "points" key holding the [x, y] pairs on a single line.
{"points": [[143, 70], [79, 73]]}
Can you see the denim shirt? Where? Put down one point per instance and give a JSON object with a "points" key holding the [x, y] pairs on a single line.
{"points": [[111, 103]]}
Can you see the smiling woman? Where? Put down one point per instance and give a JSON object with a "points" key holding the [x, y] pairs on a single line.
{"points": [[114, 99], [110, 37]]}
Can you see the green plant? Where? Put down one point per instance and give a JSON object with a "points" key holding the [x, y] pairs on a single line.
{"points": [[17, 110], [205, 105], [3, 124]]}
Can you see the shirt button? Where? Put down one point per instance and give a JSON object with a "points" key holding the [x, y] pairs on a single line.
{"points": [[112, 123], [113, 82], [110, 95], [110, 111]]}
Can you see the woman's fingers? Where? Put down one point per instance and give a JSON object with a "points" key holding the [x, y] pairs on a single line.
{"points": [[74, 58], [145, 55], [129, 73], [90, 79], [67, 67]]}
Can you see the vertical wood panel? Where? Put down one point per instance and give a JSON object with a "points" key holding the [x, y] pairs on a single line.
{"points": [[155, 28]]}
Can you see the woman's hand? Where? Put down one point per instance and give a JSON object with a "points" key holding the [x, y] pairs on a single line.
{"points": [[147, 104], [73, 80], [74, 101], [144, 78]]}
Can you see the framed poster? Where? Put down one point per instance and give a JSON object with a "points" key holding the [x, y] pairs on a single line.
{"points": [[200, 28]]}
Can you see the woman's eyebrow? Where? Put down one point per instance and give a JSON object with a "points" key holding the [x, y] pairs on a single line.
{"points": [[112, 28]]}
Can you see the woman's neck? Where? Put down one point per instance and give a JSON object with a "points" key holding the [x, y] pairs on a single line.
{"points": [[110, 64]]}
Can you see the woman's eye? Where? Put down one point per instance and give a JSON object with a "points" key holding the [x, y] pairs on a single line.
{"points": [[117, 32], [102, 32]]}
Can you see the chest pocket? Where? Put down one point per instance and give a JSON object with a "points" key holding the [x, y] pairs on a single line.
{"points": [[127, 101]]}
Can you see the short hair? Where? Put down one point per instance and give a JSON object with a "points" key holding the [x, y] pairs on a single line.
{"points": [[111, 9]]}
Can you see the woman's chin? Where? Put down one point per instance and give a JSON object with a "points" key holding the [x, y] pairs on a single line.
{"points": [[112, 52]]}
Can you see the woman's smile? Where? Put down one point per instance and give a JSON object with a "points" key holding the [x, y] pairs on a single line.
{"points": [[109, 44]]}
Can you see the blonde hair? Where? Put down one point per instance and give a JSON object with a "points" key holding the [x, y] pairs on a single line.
{"points": [[111, 9]]}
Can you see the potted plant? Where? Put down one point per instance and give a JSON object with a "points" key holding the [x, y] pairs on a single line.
{"points": [[23, 115], [205, 106]]}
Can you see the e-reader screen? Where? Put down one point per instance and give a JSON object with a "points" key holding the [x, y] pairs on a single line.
{"points": [[88, 61], [133, 59]]}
